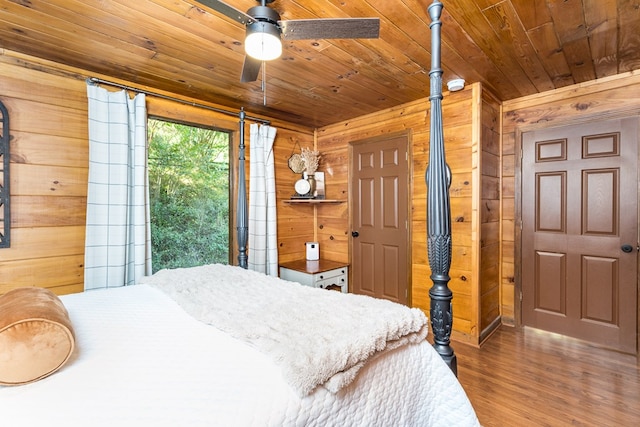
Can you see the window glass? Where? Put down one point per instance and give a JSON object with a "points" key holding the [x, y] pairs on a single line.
{"points": [[189, 194]]}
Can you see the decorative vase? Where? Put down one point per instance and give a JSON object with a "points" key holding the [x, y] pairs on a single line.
{"points": [[312, 183]]}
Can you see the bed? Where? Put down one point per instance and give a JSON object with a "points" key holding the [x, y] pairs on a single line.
{"points": [[220, 345], [145, 356]]}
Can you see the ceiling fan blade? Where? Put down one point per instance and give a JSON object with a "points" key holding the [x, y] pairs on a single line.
{"points": [[340, 28], [250, 69], [228, 10]]}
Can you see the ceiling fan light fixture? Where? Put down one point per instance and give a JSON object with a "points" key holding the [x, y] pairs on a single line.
{"points": [[263, 41]]}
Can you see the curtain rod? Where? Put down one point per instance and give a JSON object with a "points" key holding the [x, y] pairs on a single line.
{"points": [[95, 80]]}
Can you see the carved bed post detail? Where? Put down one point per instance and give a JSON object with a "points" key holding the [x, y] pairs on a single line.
{"points": [[242, 225], [5, 216], [438, 178]]}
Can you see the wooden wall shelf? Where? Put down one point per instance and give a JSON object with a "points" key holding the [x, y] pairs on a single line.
{"points": [[312, 201]]}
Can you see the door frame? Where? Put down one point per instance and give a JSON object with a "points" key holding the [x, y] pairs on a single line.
{"points": [[409, 141], [519, 132]]}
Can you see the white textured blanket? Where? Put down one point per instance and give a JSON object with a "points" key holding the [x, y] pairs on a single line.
{"points": [[316, 337]]}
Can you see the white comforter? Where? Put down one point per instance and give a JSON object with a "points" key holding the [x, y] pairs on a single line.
{"points": [[317, 338], [140, 360]]}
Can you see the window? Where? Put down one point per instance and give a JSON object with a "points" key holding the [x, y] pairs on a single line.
{"points": [[189, 187]]}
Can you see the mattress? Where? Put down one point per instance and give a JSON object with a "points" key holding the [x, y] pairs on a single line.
{"points": [[141, 360]]}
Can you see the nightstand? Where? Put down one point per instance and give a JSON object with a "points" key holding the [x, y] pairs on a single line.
{"points": [[318, 274]]}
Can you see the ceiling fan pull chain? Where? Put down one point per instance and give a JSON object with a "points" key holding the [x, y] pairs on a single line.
{"points": [[264, 84]]}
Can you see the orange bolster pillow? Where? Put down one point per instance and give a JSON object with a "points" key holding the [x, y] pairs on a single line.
{"points": [[36, 336]]}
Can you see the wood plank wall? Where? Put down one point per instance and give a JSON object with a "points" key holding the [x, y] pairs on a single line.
{"points": [[47, 105], [48, 175], [610, 97], [461, 115], [490, 196], [49, 152]]}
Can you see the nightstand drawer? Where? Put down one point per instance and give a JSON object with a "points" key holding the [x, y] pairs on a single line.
{"points": [[331, 274], [339, 281]]}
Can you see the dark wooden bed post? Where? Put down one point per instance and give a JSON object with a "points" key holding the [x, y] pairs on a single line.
{"points": [[242, 220], [438, 178]]}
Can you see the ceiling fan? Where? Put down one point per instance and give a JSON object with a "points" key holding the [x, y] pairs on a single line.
{"points": [[265, 29]]}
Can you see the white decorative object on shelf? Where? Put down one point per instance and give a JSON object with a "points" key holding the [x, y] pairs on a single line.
{"points": [[313, 251], [302, 186]]}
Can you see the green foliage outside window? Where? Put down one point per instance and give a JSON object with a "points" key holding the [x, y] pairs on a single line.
{"points": [[189, 195]]}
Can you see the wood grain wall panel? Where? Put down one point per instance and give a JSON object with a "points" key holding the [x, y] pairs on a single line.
{"points": [[461, 283], [335, 164], [46, 119], [49, 155], [461, 209], [508, 184], [490, 232], [490, 213], [490, 308], [461, 185], [295, 223], [44, 242], [59, 271], [47, 211], [41, 149], [490, 279], [489, 229], [490, 187], [57, 86], [490, 161], [610, 97], [508, 230], [41, 180], [489, 256], [459, 159]]}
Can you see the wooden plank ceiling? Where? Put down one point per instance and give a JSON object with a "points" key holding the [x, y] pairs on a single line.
{"points": [[514, 47]]}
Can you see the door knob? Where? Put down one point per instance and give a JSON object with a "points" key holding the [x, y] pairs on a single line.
{"points": [[627, 248], [355, 233]]}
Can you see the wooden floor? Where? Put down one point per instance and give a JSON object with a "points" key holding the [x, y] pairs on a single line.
{"points": [[526, 377]]}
